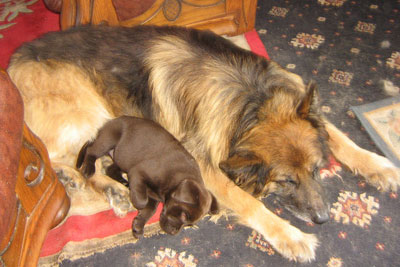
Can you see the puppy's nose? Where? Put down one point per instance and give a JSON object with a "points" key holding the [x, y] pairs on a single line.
{"points": [[321, 217]]}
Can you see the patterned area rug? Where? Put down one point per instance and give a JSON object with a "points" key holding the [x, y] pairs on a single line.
{"points": [[351, 49]]}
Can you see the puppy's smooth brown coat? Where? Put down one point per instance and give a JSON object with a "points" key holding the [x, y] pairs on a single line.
{"points": [[252, 126], [159, 170]]}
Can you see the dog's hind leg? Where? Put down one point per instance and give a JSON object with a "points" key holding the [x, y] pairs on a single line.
{"points": [[285, 238], [377, 170]]}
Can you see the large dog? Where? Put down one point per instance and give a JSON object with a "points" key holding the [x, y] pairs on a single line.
{"points": [[253, 127]]}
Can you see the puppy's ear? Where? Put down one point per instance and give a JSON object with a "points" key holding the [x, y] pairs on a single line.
{"points": [[214, 208], [246, 170], [183, 217], [187, 191], [309, 104]]}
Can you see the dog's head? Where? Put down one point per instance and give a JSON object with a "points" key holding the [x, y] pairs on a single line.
{"points": [[185, 205], [283, 153]]}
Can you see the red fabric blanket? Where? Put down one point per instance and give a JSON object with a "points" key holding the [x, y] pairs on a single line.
{"points": [[22, 21]]}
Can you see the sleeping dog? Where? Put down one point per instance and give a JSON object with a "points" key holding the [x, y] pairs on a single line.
{"points": [[159, 169], [254, 128]]}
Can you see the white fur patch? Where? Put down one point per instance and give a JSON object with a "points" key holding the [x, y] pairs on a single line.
{"points": [[389, 88]]}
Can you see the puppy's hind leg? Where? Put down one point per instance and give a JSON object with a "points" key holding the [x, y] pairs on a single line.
{"points": [[86, 163], [106, 139], [115, 172]]}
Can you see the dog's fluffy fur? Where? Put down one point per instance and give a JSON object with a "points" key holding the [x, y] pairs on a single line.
{"points": [[247, 121]]}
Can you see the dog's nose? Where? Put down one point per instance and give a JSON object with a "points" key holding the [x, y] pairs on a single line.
{"points": [[321, 217]]}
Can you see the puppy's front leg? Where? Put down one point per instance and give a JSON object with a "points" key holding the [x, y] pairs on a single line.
{"points": [[377, 170], [285, 238], [143, 216], [138, 189]]}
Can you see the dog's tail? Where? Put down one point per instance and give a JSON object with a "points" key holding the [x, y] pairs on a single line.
{"points": [[81, 155]]}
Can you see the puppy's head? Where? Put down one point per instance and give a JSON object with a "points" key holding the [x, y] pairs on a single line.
{"points": [[185, 205], [283, 153]]}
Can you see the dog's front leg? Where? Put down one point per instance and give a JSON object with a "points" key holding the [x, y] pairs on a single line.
{"points": [[285, 238], [377, 170]]}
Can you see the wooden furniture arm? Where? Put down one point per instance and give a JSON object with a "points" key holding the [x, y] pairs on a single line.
{"points": [[36, 201]]}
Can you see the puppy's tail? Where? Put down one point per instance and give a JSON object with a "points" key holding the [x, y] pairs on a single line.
{"points": [[81, 155]]}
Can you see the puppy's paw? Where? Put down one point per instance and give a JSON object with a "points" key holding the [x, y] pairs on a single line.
{"points": [[380, 172], [87, 169], [295, 245], [137, 227], [119, 200]]}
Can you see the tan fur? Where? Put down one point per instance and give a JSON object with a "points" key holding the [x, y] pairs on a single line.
{"points": [[288, 240], [57, 116], [60, 118], [212, 94]]}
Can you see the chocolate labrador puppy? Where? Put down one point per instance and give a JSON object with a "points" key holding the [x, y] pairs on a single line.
{"points": [[159, 169]]}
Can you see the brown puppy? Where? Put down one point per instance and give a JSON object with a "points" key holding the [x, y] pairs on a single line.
{"points": [[159, 170]]}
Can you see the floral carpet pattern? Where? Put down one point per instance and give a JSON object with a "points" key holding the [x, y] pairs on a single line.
{"points": [[352, 50]]}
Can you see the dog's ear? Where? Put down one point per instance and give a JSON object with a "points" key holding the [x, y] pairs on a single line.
{"points": [[187, 192], [246, 170], [309, 104], [214, 208]]}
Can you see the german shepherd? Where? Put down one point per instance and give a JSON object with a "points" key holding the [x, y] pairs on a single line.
{"points": [[253, 127]]}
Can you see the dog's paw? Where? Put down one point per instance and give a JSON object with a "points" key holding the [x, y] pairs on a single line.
{"points": [[119, 200], [70, 181], [380, 172], [295, 245]]}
